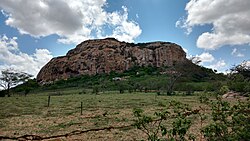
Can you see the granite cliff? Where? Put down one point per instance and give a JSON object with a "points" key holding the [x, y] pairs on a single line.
{"points": [[105, 55]]}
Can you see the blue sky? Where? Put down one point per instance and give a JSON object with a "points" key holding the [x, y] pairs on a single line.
{"points": [[32, 32]]}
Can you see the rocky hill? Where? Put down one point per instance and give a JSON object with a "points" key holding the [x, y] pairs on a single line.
{"points": [[105, 55]]}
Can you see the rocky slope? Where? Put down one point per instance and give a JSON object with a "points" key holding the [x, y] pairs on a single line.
{"points": [[105, 55]]}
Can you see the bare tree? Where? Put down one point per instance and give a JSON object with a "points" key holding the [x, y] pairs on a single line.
{"points": [[11, 77], [195, 60], [173, 77]]}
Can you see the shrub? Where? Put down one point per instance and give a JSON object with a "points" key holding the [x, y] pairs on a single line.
{"points": [[227, 122], [26, 91], [224, 89], [176, 112], [2, 93], [204, 99], [95, 90], [247, 88]]}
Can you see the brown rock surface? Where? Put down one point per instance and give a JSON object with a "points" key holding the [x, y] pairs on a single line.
{"points": [[105, 55]]}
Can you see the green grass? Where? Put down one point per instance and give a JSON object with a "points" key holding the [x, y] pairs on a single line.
{"points": [[21, 115]]}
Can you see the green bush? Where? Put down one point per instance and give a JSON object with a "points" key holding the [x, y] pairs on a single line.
{"points": [[2, 93], [223, 90], [226, 122], [247, 89], [95, 90], [175, 112]]}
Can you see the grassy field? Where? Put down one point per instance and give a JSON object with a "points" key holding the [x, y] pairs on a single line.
{"points": [[20, 115]]}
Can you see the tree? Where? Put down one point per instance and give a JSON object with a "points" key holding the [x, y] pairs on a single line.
{"points": [[11, 77], [195, 60], [243, 69], [174, 73], [173, 77], [240, 77]]}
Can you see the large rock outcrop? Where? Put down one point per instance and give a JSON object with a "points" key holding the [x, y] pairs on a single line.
{"points": [[105, 55]]}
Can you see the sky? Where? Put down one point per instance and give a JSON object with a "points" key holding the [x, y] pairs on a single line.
{"points": [[34, 31]]}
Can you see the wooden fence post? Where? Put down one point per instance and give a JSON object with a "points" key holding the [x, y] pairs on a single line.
{"points": [[81, 108], [48, 101]]}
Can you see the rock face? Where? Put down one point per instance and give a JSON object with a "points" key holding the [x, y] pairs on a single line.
{"points": [[105, 55]]}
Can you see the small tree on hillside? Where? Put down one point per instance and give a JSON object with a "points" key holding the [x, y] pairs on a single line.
{"points": [[195, 60], [10, 78]]}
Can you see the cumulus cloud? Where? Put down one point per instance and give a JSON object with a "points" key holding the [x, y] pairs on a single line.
{"points": [[207, 60], [205, 57], [246, 64], [237, 53], [229, 18], [124, 30], [181, 23], [12, 57], [218, 65], [74, 20]]}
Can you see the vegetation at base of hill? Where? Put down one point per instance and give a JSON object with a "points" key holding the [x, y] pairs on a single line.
{"points": [[186, 77], [143, 79]]}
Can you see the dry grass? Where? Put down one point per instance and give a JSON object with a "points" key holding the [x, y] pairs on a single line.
{"points": [[30, 115]]}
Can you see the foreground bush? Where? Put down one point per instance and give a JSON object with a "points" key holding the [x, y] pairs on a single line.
{"points": [[220, 121], [228, 122]]}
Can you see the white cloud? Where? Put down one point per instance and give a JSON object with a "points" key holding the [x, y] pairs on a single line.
{"points": [[236, 53], [181, 23], [185, 50], [205, 57], [208, 61], [240, 55], [74, 20], [218, 65], [230, 20], [123, 30], [246, 64], [12, 57], [190, 56]]}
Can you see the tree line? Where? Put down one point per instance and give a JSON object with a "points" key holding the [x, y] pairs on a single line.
{"points": [[166, 80]]}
